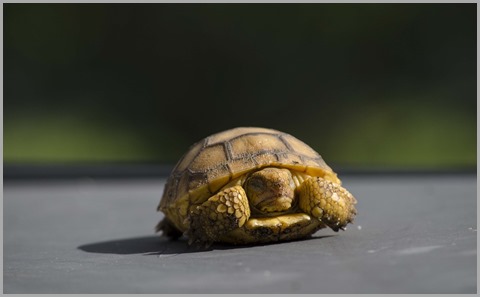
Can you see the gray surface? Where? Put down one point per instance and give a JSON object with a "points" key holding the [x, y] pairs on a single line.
{"points": [[413, 234]]}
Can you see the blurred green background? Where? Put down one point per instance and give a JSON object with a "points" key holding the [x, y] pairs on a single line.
{"points": [[366, 85]]}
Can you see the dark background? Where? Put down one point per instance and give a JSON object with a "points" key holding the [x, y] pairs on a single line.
{"points": [[366, 85], [122, 90]]}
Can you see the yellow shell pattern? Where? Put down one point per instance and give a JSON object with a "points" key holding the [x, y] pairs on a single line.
{"points": [[218, 159]]}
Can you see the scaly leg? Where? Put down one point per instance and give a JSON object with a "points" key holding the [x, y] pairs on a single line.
{"points": [[221, 213], [328, 202]]}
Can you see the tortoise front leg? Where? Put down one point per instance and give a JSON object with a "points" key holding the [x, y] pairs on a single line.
{"points": [[328, 202], [221, 213]]}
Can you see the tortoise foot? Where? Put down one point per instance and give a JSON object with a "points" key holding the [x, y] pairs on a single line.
{"points": [[328, 202], [221, 213]]}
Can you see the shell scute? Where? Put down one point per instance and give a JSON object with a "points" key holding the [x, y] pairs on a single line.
{"points": [[254, 144]]}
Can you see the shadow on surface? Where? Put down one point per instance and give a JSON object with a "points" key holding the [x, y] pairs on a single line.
{"points": [[157, 245]]}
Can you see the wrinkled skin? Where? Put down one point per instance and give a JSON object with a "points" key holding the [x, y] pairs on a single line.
{"points": [[270, 206]]}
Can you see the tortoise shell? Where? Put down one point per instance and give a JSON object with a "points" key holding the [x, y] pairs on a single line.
{"points": [[220, 158]]}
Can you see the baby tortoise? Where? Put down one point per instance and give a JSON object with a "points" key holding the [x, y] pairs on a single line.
{"points": [[252, 185]]}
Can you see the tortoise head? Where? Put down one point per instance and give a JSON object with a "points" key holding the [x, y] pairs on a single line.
{"points": [[270, 189]]}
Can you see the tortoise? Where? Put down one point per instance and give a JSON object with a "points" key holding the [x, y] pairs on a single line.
{"points": [[252, 185]]}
